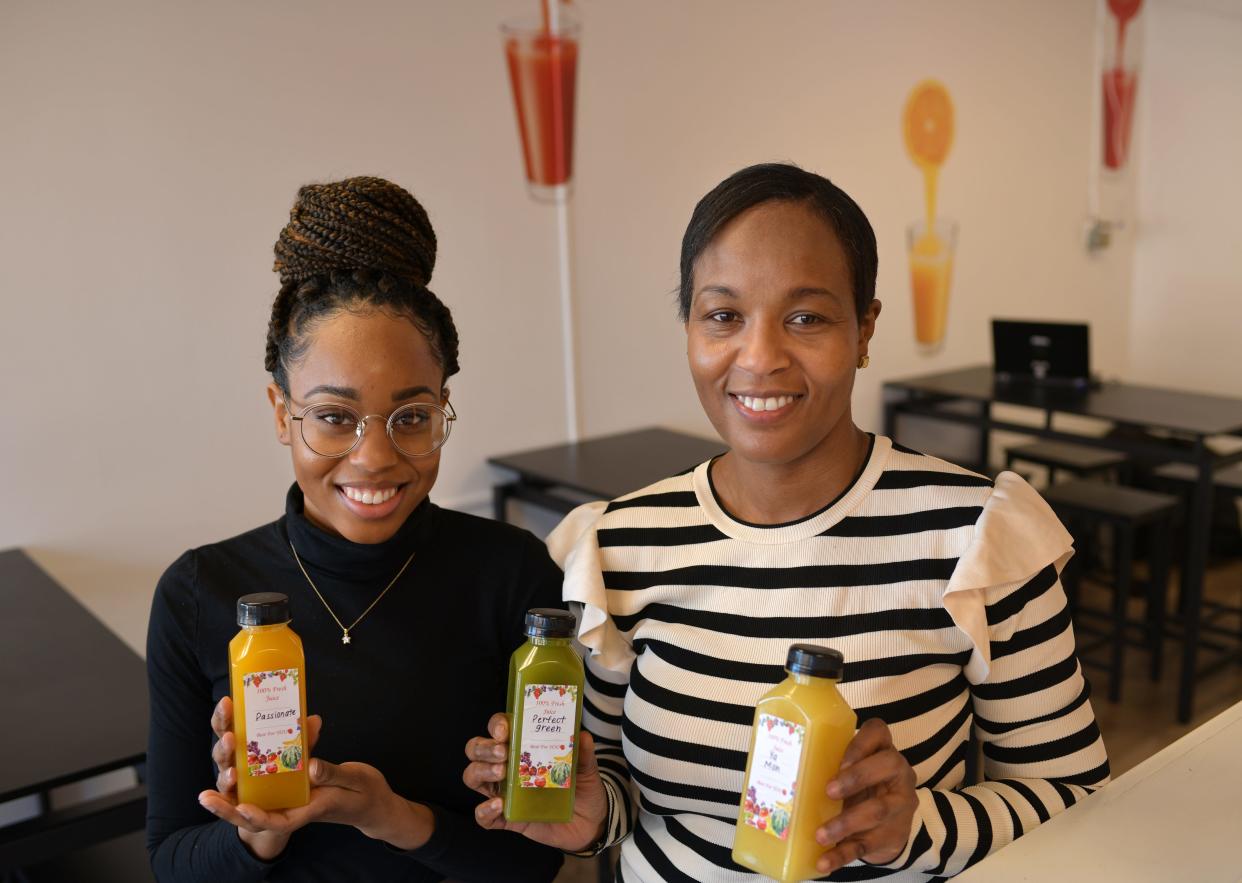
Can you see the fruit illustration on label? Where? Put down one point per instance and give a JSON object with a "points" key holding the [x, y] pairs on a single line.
{"points": [[559, 774], [780, 821], [291, 757]]}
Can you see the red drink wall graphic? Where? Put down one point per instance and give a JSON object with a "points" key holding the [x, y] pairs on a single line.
{"points": [[1120, 83], [541, 54], [542, 57]]}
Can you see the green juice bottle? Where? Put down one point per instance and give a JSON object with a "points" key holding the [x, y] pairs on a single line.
{"points": [[545, 712]]}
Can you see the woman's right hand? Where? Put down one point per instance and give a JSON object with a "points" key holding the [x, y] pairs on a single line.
{"points": [[262, 844], [487, 769]]}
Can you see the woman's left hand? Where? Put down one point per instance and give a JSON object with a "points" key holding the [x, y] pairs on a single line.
{"points": [[354, 794], [877, 785]]}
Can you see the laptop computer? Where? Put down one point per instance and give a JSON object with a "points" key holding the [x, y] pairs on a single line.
{"points": [[1044, 353]]}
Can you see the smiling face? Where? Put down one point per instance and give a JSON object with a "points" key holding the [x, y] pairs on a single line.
{"points": [[773, 336], [373, 362]]}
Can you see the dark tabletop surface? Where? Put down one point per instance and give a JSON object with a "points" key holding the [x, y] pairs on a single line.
{"points": [[612, 465], [1153, 407], [75, 695]]}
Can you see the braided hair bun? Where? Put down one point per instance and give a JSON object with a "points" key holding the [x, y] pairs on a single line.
{"points": [[355, 224], [358, 243]]}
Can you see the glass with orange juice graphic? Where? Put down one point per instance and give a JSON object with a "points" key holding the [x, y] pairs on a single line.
{"points": [[927, 124]]}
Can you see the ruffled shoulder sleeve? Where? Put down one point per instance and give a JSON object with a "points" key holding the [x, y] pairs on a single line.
{"points": [[1016, 537], [574, 546]]}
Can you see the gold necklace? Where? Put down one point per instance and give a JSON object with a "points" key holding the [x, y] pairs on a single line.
{"points": [[345, 639]]}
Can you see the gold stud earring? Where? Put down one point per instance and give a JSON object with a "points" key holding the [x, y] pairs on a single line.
{"points": [[864, 360]]}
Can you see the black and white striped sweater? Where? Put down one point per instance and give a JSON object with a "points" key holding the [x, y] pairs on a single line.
{"points": [[940, 588]]}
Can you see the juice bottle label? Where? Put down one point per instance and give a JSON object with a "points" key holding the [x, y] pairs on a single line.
{"points": [[273, 722], [773, 775], [549, 712]]}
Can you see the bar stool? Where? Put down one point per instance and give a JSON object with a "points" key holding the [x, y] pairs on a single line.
{"points": [[1086, 505], [1228, 483], [1078, 460], [1081, 462]]}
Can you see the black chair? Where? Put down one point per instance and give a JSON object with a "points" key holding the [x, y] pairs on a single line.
{"points": [[1178, 477], [1078, 460], [1084, 506], [1228, 481]]}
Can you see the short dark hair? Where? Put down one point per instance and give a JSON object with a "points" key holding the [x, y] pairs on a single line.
{"points": [[781, 181], [362, 243]]}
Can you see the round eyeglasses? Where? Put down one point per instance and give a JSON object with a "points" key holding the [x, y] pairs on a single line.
{"points": [[333, 430]]}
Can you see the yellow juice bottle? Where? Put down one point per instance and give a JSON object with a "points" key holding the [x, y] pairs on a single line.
{"points": [[545, 712], [802, 727], [268, 675]]}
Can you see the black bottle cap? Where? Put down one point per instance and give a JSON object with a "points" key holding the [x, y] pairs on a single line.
{"points": [[262, 608], [816, 661], [548, 622]]}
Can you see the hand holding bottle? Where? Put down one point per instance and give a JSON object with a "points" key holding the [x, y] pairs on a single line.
{"points": [[264, 844], [354, 794], [878, 787], [487, 768]]}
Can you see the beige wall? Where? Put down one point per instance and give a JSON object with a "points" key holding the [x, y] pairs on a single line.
{"points": [[1186, 316], [149, 153]]}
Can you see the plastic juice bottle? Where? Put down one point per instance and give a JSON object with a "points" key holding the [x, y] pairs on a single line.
{"points": [[545, 711], [268, 674], [801, 730]]}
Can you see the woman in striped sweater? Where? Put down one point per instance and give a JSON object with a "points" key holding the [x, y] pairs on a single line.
{"points": [[940, 587]]}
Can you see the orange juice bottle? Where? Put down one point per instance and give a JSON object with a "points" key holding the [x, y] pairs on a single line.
{"points": [[801, 730], [268, 675]]}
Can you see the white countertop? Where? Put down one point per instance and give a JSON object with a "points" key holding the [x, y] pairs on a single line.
{"points": [[1175, 817]]}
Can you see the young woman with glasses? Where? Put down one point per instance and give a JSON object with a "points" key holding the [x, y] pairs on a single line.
{"points": [[407, 612]]}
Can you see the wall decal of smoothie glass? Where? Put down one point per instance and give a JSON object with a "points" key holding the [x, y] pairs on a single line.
{"points": [[1120, 87], [927, 124], [541, 53], [542, 56]]}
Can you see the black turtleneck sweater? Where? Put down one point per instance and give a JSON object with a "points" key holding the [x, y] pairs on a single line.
{"points": [[424, 671]]}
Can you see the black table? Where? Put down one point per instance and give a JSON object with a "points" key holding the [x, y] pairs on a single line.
{"points": [[1188, 415], [599, 468], [75, 699]]}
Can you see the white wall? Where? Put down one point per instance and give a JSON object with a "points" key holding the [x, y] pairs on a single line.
{"points": [[1186, 314], [149, 153]]}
